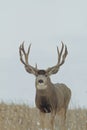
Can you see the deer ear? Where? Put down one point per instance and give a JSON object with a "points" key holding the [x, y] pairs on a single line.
{"points": [[52, 70], [30, 70]]}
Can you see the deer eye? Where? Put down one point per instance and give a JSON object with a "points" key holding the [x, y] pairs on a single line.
{"points": [[46, 75], [36, 75]]}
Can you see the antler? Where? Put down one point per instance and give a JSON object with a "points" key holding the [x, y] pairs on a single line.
{"points": [[61, 60], [24, 59]]}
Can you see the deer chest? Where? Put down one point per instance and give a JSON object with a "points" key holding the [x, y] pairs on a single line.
{"points": [[43, 104]]}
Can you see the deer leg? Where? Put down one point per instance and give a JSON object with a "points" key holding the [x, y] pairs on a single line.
{"points": [[61, 119], [52, 120], [42, 120]]}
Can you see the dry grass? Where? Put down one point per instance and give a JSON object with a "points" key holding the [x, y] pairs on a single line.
{"points": [[22, 117]]}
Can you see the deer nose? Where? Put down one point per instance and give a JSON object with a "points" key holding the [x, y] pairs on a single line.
{"points": [[40, 81]]}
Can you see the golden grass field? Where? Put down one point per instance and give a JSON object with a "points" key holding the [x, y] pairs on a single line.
{"points": [[22, 117]]}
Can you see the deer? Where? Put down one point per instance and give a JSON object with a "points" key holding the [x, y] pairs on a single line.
{"points": [[50, 98]]}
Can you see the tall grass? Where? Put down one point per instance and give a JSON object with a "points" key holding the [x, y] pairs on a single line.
{"points": [[22, 117]]}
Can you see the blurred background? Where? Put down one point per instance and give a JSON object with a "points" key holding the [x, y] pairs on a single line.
{"points": [[44, 23]]}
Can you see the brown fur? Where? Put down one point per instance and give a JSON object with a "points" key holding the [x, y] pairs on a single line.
{"points": [[53, 100]]}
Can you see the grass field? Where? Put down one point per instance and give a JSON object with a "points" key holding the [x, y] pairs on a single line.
{"points": [[22, 117]]}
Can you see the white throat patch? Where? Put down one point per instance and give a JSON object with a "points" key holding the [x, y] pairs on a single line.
{"points": [[41, 86]]}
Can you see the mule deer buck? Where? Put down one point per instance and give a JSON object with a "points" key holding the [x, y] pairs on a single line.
{"points": [[50, 98]]}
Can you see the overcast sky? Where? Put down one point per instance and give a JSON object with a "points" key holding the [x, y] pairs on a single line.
{"points": [[44, 23]]}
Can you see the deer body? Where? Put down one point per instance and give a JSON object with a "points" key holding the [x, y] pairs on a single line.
{"points": [[50, 98], [53, 97]]}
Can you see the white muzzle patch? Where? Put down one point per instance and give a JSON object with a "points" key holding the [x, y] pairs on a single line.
{"points": [[41, 86]]}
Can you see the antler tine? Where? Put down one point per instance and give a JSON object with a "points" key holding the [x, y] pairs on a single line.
{"points": [[64, 56], [29, 49], [60, 53], [20, 53], [22, 47]]}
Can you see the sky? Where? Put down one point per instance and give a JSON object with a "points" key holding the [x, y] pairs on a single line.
{"points": [[44, 23]]}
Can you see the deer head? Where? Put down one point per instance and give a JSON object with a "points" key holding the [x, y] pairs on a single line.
{"points": [[42, 76]]}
